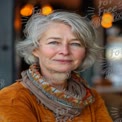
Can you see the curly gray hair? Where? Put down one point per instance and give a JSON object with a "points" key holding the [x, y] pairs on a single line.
{"points": [[38, 24]]}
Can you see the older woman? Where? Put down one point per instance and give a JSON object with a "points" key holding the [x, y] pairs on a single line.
{"points": [[57, 46]]}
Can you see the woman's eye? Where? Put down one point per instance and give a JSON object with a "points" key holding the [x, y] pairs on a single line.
{"points": [[76, 44], [53, 42]]}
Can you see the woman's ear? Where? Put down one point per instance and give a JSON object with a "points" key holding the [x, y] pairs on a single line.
{"points": [[35, 52]]}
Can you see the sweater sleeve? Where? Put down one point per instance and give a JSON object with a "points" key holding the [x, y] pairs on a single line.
{"points": [[14, 106], [101, 113]]}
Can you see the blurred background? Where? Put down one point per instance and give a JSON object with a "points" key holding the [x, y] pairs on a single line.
{"points": [[106, 17]]}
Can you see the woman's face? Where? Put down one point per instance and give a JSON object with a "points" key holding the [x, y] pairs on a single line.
{"points": [[59, 50]]}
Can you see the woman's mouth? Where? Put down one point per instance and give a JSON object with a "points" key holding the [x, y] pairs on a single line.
{"points": [[63, 61]]}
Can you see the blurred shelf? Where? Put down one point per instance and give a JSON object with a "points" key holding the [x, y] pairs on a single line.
{"points": [[109, 89]]}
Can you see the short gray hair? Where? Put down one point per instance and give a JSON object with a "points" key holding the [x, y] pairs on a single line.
{"points": [[38, 24]]}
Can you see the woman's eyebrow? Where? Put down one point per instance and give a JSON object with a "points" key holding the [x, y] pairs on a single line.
{"points": [[59, 38], [55, 38]]}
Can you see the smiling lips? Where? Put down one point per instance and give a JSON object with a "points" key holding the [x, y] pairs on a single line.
{"points": [[63, 61]]}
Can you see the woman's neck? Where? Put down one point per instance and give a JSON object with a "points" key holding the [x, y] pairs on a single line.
{"points": [[56, 79]]}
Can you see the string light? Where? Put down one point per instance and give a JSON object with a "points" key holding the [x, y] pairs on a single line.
{"points": [[106, 25], [108, 17], [107, 20], [47, 9], [27, 10]]}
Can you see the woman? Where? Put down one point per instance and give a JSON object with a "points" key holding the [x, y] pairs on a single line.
{"points": [[57, 46]]}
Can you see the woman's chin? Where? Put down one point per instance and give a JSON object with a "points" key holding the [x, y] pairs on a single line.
{"points": [[63, 70], [61, 73]]}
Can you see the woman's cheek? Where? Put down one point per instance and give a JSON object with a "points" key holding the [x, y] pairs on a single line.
{"points": [[81, 54]]}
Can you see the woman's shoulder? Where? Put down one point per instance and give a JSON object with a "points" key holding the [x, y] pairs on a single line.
{"points": [[96, 95], [16, 95], [14, 91], [15, 104]]}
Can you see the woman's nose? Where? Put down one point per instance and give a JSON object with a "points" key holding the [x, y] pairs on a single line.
{"points": [[64, 50]]}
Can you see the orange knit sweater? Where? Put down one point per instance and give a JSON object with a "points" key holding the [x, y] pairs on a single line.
{"points": [[17, 104]]}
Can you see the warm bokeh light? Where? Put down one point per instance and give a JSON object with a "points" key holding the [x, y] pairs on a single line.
{"points": [[108, 17], [27, 10], [107, 20], [106, 25], [96, 21], [17, 24], [17, 21], [47, 9]]}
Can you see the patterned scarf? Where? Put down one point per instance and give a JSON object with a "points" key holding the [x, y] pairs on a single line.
{"points": [[65, 104]]}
